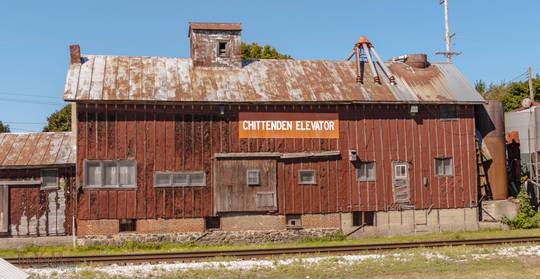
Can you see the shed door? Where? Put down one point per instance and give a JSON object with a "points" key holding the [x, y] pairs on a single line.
{"points": [[4, 201], [245, 185], [400, 174]]}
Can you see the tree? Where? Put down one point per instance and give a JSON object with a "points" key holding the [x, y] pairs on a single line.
{"points": [[480, 86], [59, 121], [4, 128], [254, 51], [511, 94]]}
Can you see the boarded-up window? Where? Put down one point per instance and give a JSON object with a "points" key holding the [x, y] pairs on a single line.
{"points": [[265, 200], [110, 173], [307, 177], [179, 179], [365, 171], [443, 166], [49, 179], [253, 177], [400, 182]]}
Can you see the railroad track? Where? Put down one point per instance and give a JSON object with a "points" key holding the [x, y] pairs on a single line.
{"points": [[254, 253]]}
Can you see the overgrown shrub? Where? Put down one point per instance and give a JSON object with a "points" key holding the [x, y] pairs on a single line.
{"points": [[527, 217]]}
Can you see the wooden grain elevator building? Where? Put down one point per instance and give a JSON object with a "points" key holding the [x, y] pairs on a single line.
{"points": [[212, 141]]}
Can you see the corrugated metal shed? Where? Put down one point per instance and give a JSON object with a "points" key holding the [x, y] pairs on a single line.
{"points": [[36, 149], [116, 78]]}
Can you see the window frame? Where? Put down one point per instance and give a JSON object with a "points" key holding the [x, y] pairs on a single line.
{"points": [[448, 112], [366, 177], [171, 175], [406, 173], [42, 186], [443, 159], [226, 54], [117, 163], [258, 183], [312, 182]]}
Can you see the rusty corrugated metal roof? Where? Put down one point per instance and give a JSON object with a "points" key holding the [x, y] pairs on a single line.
{"points": [[117, 78], [36, 149]]}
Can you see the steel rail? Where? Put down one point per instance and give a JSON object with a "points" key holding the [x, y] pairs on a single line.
{"points": [[255, 253]]}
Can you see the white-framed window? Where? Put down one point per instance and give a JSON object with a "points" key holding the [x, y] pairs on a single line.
{"points": [[179, 178], [49, 179], [444, 166], [253, 177], [365, 171], [400, 171], [307, 177], [110, 173]]}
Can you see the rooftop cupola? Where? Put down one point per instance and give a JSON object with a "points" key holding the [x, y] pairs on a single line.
{"points": [[215, 44]]}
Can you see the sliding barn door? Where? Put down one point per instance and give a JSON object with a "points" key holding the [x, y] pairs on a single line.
{"points": [[245, 185]]}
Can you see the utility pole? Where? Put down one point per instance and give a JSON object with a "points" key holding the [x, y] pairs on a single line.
{"points": [[447, 35], [531, 88]]}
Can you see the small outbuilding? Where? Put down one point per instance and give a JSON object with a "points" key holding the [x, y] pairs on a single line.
{"points": [[37, 183]]}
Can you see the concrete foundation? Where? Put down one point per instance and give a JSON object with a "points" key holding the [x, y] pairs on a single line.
{"points": [[399, 222], [495, 211], [407, 222], [21, 242]]}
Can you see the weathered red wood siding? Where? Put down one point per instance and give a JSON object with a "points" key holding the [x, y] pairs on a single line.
{"points": [[185, 137], [29, 206]]}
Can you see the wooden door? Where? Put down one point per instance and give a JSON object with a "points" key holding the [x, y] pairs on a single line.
{"points": [[4, 202], [233, 193], [400, 182]]}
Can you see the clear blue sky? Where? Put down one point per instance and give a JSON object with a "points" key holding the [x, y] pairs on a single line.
{"points": [[499, 39]]}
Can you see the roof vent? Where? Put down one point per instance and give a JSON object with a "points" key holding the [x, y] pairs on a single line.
{"points": [[419, 60]]}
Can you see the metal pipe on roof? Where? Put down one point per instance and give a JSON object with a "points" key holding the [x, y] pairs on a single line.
{"points": [[371, 65], [350, 54], [358, 77], [383, 66]]}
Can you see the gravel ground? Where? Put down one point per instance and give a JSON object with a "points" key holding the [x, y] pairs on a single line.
{"points": [[143, 270]]}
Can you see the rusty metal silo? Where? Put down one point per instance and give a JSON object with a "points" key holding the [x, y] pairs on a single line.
{"points": [[490, 124]]}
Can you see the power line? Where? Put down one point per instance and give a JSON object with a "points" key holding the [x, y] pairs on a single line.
{"points": [[30, 102], [519, 76], [23, 123], [26, 95]]}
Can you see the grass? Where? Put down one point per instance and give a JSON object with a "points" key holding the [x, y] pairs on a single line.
{"points": [[410, 264], [135, 247]]}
